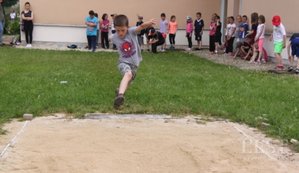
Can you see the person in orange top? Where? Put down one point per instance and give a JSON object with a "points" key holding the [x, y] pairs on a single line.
{"points": [[172, 29]]}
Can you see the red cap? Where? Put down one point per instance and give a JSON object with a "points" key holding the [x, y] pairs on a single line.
{"points": [[276, 20]]}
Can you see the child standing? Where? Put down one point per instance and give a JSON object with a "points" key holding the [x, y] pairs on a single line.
{"points": [[279, 38], [163, 29], [129, 51], [189, 31], [141, 34], [230, 35], [218, 34], [259, 40], [198, 27], [212, 34], [294, 45], [91, 22], [172, 28], [105, 31]]}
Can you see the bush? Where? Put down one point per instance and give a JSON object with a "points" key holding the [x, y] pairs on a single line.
{"points": [[12, 27]]}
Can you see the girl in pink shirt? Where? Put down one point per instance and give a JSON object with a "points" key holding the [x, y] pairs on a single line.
{"points": [[172, 29], [105, 31], [189, 31]]}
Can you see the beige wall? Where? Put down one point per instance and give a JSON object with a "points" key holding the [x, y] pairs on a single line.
{"points": [[72, 12], [287, 9]]}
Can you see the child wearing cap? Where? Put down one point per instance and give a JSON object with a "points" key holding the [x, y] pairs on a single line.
{"points": [[279, 38], [294, 47], [155, 38], [129, 51], [189, 31]]}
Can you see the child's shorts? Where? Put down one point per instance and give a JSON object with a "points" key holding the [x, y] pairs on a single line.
{"points": [[261, 44], [125, 67], [295, 48], [278, 47], [198, 36]]}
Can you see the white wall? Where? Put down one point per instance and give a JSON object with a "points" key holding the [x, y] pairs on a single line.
{"points": [[76, 34]]}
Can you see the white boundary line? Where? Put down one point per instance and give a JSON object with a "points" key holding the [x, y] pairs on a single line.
{"points": [[260, 148], [13, 140]]}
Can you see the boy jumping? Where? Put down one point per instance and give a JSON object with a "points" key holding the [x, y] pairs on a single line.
{"points": [[129, 51]]}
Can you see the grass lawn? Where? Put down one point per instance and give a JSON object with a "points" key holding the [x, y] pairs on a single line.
{"points": [[168, 83]]}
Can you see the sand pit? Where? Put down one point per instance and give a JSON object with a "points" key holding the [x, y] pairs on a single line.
{"points": [[128, 144]]}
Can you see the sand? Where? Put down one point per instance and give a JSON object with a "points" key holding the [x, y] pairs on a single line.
{"points": [[133, 143]]}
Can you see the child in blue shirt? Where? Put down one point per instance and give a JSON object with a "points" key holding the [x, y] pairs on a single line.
{"points": [[91, 22]]}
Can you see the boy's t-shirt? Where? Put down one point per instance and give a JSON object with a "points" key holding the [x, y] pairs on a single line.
{"points": [[142, 31], [230, 29], [278, 33], [92, 31], [294, 36], [198, 25], [128, 47]]}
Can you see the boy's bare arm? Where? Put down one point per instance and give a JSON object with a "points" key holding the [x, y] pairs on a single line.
{"points": [[145, 25]]}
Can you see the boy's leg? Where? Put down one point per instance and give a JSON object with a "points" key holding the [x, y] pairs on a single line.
{"points": [[128, 76], [124, 84], [94, 43], [154, 48], [89, 42]]}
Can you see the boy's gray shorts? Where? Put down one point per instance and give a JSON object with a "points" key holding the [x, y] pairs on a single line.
{"points": [[125, 67]]}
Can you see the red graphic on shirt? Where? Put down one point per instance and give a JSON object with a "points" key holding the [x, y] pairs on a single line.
{"points": [[127, 49]]}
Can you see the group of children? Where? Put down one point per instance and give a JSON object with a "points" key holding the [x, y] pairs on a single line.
{"points": [[248, 43], [239, 38]]}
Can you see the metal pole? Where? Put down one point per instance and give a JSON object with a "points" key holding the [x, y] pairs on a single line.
{"points": [[224, 4]]}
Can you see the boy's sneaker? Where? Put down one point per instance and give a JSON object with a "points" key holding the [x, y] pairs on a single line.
{"points": [[296, 70], [290, 69], [119, 101]]}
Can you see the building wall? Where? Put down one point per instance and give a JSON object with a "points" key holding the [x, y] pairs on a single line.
{"points": [[73, 12], [287, 9]]}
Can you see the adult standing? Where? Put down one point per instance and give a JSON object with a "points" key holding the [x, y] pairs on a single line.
{"points": [[2, 20], [27, 17]]}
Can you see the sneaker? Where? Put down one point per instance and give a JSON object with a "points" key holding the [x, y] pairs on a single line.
{"points": [[279, 67], [296, 70], [290, 69], [119, 101], [188, 49], [163, 50]]}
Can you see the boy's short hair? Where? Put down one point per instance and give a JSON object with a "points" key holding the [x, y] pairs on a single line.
{"points": [[26, 3], [91, 12], [262, 18], [163, 15], [198, 13], [244, 16], [121, 20]]}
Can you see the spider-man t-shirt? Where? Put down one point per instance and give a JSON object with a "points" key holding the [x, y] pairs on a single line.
{"points": [[128, 47]]}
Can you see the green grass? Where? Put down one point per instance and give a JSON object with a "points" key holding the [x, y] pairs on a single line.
{"points": [[169, 83]]}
